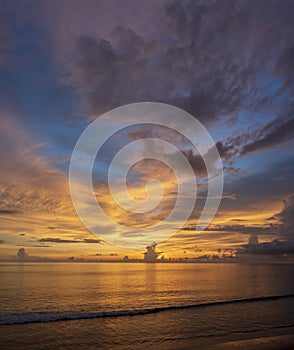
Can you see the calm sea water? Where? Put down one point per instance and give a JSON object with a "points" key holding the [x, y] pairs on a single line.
{"points": [[138, 306]]}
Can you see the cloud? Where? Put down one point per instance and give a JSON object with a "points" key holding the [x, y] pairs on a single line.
{"points": [[284, 66], [30, 182], [23, 200], [286, 218], [105, 71], [244, 229], [194, 59], [59, 240], [187, 53], [223, 62], [24, 153], [275, 247], [8, 212], [265, 138], [91, 240], [283, 228], [112, 73], [177, 139], [260, 187]]}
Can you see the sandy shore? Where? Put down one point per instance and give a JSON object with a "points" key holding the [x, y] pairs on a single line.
{"points": [[284, 342]]}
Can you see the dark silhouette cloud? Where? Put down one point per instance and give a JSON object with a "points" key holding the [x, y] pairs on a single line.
{"points": [[91, 240], [59, 240], [272, 134], [244, 229], [286, 218], [275, 247], [8, 212]]}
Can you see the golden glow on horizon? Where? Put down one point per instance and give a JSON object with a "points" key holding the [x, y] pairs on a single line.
{"points": [[43, 219]]}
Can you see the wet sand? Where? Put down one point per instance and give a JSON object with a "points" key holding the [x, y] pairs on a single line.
{"points": [[283, 342]]}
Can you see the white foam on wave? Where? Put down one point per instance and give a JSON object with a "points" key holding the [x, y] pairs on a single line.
{"points": [[45, 317]]}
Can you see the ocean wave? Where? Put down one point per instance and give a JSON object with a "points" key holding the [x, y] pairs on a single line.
{"points": [[44, 317]]}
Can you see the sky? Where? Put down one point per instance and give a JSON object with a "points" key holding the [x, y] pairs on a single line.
{"points": [[65, 63]]}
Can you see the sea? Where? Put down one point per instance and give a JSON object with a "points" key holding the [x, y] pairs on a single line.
{"points": [[75, 305]]}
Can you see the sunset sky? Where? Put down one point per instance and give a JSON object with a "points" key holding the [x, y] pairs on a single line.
{"points": [[64, 63]]}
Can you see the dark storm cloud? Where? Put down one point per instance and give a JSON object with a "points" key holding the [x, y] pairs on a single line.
{"points": [[197, 162], [286, 218], [275, 247], [133, 69], [205, 57], [267, 137], [272, 134], [110, 74], [208, 58]]}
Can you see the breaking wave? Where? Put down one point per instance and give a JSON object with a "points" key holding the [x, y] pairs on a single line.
{"points": [[44, 317]]}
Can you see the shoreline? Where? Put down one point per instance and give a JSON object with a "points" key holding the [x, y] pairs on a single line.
{"points": [[280, 342]]}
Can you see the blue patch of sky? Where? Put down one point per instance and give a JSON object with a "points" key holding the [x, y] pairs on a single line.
{"points": [[247, 120], [257, 162], [32, 82]]}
